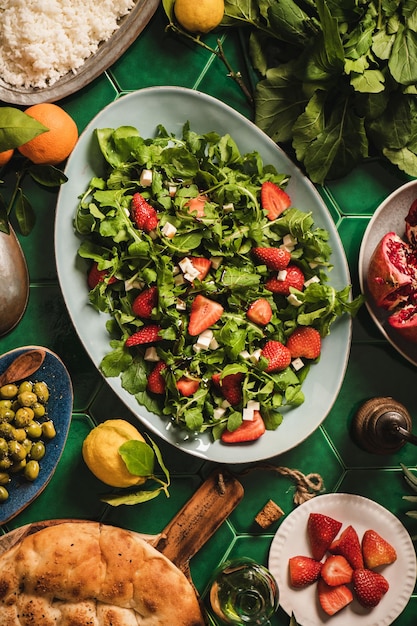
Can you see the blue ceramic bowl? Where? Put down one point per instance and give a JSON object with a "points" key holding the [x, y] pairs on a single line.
{"points": [[59, 409]]}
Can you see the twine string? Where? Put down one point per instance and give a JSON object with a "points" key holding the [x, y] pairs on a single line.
{"points": [[307, 485]]}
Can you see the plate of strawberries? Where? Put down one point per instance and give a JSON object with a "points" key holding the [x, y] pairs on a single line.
{"points": [[343, 559]]}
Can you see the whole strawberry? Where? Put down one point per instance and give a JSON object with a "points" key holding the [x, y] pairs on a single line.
{"points": [[143, 214], [274, 258], [96, 276], [145, 302], [294, 278], [279, 357], [304, 341], [230, 386], [146, 334], [156, 381]]}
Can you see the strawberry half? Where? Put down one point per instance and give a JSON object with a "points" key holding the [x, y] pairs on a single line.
{"points": [[321, 531], [96, 276], [249, 430], [274, 200], [336, 571], [156, 382], [376, 550], [303, 571], [230, 386], [187, 386], [204, 313], [201, 264], [278, 355], [369, 587], [143, 214], [145, 302], [304, 341], [274, 258], [260, 312], [147, 334], [294, 278], [333, 599], [348, 545]]}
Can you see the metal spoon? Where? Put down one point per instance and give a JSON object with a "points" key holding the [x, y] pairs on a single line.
{"points": [[23, 366], [14, 282]]}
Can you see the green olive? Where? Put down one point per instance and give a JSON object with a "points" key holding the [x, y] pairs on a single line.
{"points": [[4, 478], [23, 416], [9, 391], [48, 429], [34, 430], [19, 434], [6, 430], [6, 414], [27, 444], [4, 448], [6, 403], [37, 450], [42, 391], [31, 471], [25, 386], [4, 494], [27, 398], [16, 450], [38, 410], [5, 463]]}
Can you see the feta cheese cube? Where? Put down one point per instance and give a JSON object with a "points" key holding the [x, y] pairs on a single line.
{"points": [[151, 354], [282, 275], [172, 190], [179, 279], [289, 240], [204, 339], [254, 405], [216, 261], [218, 413], [227, 208], [213, 344], [310, 281], [169, 230], [297, 364], [146, 178], [292, 299], [180, 305], [247, 414], [245, 355], [255, 356]]}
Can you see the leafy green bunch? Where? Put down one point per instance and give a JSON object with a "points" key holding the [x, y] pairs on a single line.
{"points": [[16, 129], [233, 224], [339, 79]]}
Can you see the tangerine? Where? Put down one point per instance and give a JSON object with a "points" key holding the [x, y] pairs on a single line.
{"points": [[56, 144], [5, 156]]}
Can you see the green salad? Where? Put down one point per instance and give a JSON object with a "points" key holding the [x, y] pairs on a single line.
{"points": [[180, 232]]}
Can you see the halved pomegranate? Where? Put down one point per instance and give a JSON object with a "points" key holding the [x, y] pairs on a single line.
{"points": [[392, 272], [404, 321], [411, 225]]}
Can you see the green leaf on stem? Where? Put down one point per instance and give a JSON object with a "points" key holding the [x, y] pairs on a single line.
{"points": [[17, 128]]}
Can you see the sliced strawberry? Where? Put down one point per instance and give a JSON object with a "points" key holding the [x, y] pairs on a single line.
{"points": [[204, 313], [249, 430], [274, 200], [294, 278], [278, 355], [96, 276], [156, 382], [196, 205], [201, 264], [321, 530], [304, 341], [336, 570], [333, 599], [303, 571], [376, 550], [230, 386], [274, 258], [348, 545], [260, 312], [145, 302], [187, 386], [369, 587], [147, 334], [143, 214]]}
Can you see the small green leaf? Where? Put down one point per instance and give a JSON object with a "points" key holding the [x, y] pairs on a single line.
{"points": [[47, 175], [24, 213], [136, 497], [138, 456], [17, 128]]}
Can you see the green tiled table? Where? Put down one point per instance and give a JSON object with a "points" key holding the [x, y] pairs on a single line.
{"points": [[374, 369]]}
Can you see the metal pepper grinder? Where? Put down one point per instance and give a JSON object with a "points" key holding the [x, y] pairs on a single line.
{"points": [[382, 426]]}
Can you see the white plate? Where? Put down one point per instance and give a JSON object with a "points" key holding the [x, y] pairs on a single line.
{"points": [[172, 107], [389, 216], [291, 540], [130, 26]]}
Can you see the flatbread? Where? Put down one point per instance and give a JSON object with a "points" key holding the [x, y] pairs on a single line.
{"points": [[92, 574]]}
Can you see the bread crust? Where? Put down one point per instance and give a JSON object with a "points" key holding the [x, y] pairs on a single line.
{"points": [[92, 574]]}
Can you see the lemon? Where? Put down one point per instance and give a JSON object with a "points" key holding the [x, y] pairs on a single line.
{"points": [[101, 453], [199, 16]]}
